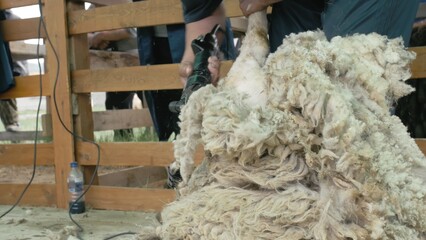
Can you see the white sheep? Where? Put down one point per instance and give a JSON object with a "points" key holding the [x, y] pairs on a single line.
{"points": [[300, 144]]}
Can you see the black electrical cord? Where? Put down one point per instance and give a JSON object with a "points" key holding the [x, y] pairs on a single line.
{"points": [[76, 136], [36, 130], [42, 24], [63, 124], [120, 234]]}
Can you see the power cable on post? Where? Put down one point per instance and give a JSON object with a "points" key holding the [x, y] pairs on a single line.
{"points": [[63, 124]]}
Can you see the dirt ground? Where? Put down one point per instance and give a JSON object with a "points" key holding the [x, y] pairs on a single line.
{"points": [[43, 174], [27, 223]]}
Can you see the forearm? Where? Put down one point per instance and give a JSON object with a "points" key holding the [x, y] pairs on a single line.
{"points": [[266, 3], [201, 27], [250, 6], [270, 2], [115, 35]]}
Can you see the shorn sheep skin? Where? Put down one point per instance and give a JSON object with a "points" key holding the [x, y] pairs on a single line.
{"points": [[300, 144]]}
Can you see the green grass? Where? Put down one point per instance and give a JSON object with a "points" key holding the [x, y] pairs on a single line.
{"points": [[27, 122], [139, 135]]}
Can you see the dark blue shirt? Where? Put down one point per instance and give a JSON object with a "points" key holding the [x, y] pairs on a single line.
{"points": [[195, 10]]}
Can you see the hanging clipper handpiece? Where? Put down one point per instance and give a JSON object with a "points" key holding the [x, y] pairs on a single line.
{"points": [[203, 47]]}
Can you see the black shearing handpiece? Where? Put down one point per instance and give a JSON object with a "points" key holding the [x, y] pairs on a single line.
{"points": [[203, 47]]}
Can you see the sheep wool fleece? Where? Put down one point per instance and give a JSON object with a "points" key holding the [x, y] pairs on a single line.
{"points": [[300, 144]]}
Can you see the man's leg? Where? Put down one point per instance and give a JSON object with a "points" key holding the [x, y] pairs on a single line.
{"points": [[120, 100], [9, 114], [167, 121]]}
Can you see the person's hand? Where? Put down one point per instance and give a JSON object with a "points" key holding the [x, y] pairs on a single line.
{"points": [[97, 41], [214, 68], [185, 70], [250, 6]]}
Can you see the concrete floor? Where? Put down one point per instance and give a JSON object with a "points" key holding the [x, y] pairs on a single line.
{"points": [[51, 223]]}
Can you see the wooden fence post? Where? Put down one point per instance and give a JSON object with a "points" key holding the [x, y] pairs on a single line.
{"points": [[83, 117], [55, 19]]}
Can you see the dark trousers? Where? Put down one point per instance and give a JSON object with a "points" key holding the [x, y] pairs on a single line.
{"points": [[9, 112], [393, 18], [165, 122], [411, 109], [120, 100]]}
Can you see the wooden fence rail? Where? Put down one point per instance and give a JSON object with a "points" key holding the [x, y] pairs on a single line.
{"points": [[67, 24]]}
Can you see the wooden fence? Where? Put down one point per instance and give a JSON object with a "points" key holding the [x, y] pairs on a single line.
{"points": [[67, 27]]}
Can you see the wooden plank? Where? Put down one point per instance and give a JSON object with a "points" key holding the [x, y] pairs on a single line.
{"points": [[418, 66], [36, 195], [63, 141], [239, 24], [6, 4], [21, 29], [22, 135], [136, 154], [138, 14], [105, 2], [110, 120], [145, 13], [83, 119], [147, 77], [134, 177], [23, 154], [28, 86], [127, 79], [143, 153], [121, 118], [421, 142], [151, 77], [232, 8], [129, 199]]}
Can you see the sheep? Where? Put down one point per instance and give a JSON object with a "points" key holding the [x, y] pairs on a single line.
{"points": [[300, 144]]}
